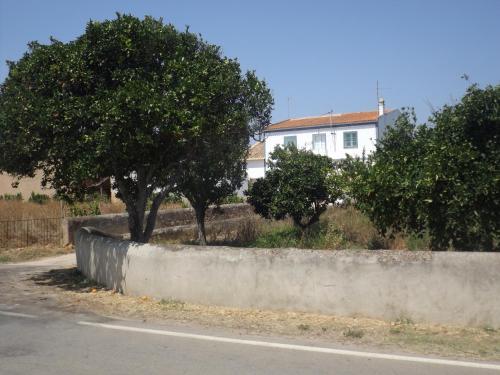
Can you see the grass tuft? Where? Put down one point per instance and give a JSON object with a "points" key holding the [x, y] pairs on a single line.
{"points": [[171, 304], [304, 327], [354, 333]]}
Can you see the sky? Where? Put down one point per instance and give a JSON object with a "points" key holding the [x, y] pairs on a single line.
{"points": [[316, 56]]}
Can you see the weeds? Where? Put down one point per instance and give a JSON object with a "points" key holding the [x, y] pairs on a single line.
{"points": [[338, 228], [304, 327], [233, 198], [172, 304], [354, 333], [489, 329], [12, 197], [403, 320], [39, 198]]}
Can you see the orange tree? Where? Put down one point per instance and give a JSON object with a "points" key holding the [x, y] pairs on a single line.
{"points": [[127, 99], [442, 179], [298, 184]]}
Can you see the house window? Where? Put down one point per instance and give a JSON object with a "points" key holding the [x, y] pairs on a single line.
{"points": [[290, 140], [350, 139], [319, 143]]}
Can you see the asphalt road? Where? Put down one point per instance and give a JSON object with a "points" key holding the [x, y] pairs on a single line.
{"points": [[38, 338]]}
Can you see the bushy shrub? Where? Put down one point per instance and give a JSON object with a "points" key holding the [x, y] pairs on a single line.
{"points": [[91, 208], [173, 198], [231, 199], [12, 197], [440, 181], [39, 198]]}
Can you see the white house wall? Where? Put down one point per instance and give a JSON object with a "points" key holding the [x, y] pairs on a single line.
{"points": [[367, 136], [255, 169], [387, 120]]}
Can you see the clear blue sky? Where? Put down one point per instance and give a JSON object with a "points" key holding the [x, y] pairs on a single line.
{"points": [[322, 54]]}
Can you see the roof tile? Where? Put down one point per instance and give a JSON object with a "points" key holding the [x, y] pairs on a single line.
{"points": [[256, 151], [335, 119]]}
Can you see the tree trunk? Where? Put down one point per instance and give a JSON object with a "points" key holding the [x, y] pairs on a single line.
{"points": [[298, 223], [200, 211], [134, 225], [135, 203], [151, 219]]}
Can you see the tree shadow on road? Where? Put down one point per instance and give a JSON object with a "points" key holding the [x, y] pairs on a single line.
{"points": [[70, 279]]}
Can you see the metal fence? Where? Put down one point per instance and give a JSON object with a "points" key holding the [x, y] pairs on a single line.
{"points": [[27, 232]]}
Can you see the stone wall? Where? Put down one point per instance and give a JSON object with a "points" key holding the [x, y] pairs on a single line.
{"points": [[117, 224], [439, 287]]}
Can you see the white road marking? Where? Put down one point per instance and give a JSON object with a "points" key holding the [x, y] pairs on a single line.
{"points": [[298, 347], [18, 315]]}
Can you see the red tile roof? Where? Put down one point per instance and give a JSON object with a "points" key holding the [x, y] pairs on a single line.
{"points": [[256, 151], [325, 120]]}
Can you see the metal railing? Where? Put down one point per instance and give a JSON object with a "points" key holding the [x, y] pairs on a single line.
{"points": [[27, 232]]}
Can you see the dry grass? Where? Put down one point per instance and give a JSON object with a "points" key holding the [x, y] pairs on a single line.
{"points": [[19, 210], [358, 231], [24, 224], [31, 253], [339, 228], [77, 293]]}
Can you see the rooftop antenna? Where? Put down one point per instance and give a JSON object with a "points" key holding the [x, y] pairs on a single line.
{"points": [[380, 89], [332, 132]]}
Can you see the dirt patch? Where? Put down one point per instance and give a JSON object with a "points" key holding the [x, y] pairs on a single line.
{"points": [[76, 293], [32, 252]]}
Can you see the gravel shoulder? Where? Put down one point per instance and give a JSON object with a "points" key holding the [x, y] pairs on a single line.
{"points": [[31, 253]]}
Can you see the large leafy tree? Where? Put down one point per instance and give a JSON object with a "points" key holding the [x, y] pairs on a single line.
{"points": [[442, 179], [122, 100], [299, 184]]}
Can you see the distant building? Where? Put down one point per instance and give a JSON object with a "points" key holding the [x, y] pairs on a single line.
{"points": [[26, 186], [255, 161], [333, 135]]}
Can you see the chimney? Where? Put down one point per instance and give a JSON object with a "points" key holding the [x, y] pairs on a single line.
{"points": [[381, 105]]}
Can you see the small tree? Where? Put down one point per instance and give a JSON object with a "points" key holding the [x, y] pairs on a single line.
{"points": [[298, 184], [215, 166]]}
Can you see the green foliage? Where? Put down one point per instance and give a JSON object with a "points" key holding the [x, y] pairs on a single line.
{"points": [[440, 181], [298, 184], [173, 198], [39, 198], [279, 238], [88, 208], [416, 242], [232, 199], [12, 197], [134, 99], [232, 107]]}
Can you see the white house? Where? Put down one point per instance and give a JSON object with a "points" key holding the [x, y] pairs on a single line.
{"points": [[255, 161], [334, 135]]}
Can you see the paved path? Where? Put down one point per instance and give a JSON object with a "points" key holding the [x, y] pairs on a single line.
{"points": [[38, 338]]}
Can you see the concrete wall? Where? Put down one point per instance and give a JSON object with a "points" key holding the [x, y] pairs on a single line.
{"points": [[255, 169], [117, 224], [386, 120], [453, 288]]}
